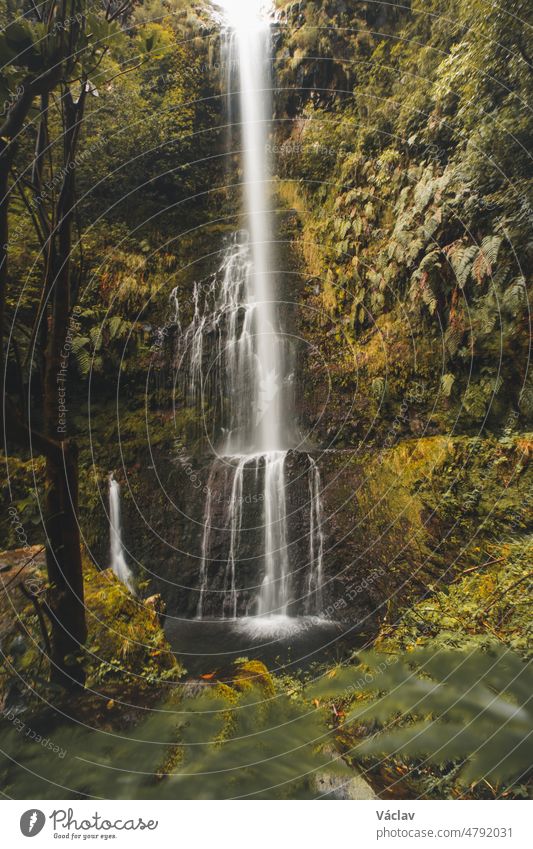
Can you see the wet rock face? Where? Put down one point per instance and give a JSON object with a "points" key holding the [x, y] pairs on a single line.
{"points": [[162, 509], [164, 512]]}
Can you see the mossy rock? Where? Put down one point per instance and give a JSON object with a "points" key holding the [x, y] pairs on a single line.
{"points": [[253, 673]]}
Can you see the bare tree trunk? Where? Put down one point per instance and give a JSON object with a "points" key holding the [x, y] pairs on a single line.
{"points": [[65, 602], [63, 549], [63, 560]]}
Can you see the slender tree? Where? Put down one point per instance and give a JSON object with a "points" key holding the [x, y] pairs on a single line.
{"points": [[51, 49]]}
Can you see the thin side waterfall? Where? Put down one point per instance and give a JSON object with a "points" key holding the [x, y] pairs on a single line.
{"points": [[313, 600], [118, 560], [234, 363], [206, 537]]}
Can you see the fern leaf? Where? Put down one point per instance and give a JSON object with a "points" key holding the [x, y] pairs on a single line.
{"points": [[447, 382], [472, 706], [115, 326], [487, 257], [461, 259], [515, 296]]}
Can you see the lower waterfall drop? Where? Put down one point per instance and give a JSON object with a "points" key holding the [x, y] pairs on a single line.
{"points": [[250, 525], [274, 595]]}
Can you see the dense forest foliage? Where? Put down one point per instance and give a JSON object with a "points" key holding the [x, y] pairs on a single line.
{"points": [[409, 159], [401, 151]]}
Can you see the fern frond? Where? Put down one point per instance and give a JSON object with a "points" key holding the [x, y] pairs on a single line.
{"points": [[474, 706], [487, 257], [515, 296], [461, 259], [81, 353], [447, 381]]}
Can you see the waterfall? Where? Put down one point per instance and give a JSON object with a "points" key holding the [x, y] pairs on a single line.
{"points": [[206, 537], [118, 560], [233, 361], [175, 304]]}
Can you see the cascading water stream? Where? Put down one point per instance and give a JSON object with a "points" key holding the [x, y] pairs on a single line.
{"points": [[274, 595], [313, 600], [118, 560], [234, 355]]}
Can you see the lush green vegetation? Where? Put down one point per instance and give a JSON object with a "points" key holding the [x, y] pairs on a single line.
{"points": [[409, 165]]}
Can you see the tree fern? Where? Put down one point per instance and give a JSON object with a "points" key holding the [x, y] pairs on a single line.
{"points": [[117, 327], [431, 261], [526, 398], [80, 345], [96, 336], [515, 297], [475, 401], [423, 194], [453, 337], [485, 316]]}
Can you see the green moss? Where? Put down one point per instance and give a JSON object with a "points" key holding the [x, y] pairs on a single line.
{"points": [[125, 636]]}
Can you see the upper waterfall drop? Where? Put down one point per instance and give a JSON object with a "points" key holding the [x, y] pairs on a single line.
{"points": [[247, 56]]}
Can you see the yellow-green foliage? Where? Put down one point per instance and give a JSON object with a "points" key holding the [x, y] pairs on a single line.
{"points": [[249, 678], [429, 509], [253, 673], [25, 494], [489, 600]]}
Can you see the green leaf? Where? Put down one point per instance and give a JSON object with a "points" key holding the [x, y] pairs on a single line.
{"points": [[447, 381]]}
